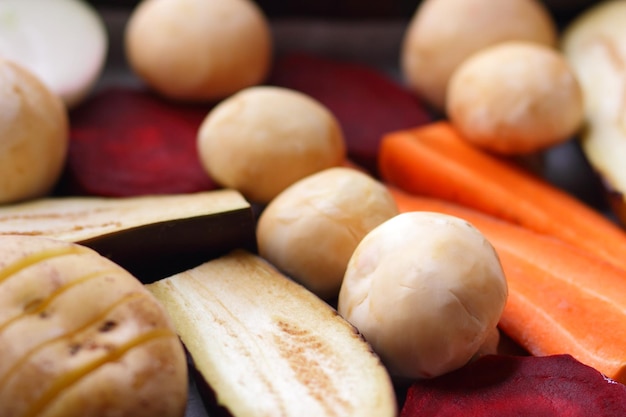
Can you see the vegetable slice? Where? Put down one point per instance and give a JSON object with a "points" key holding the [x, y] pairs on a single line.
{"points": [[127, 142], [81, 336], [63, 42], [436, 161], [151, 236], [501, 386], [367, 102], [561, 299], [264, 343]]}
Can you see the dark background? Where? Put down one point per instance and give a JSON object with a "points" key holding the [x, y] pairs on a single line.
{"points": [[356, 9]]}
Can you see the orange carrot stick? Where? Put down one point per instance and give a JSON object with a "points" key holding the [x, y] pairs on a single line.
{"points": [[561, 299], [434, 160]]}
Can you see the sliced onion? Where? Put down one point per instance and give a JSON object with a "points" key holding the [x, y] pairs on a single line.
{"points": [[63, 42]]}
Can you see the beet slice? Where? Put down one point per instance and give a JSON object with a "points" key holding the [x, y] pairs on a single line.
{"points": [[127, 142], [367, 102], [502, 386]]}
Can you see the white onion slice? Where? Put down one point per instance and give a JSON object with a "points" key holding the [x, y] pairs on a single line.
{"points": [[63, 42]]}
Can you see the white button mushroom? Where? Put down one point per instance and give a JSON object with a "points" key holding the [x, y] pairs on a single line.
{"points": [[263, 139], [199, 50], [426, 291], [443, 33], [515, 98], [311, 229]]}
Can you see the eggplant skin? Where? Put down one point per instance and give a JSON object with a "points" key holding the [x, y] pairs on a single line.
{"points": [[81, 336], [152, 236]]}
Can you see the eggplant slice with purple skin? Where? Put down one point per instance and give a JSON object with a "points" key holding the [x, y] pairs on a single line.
{"points": [[150, 236], [265, 345]]}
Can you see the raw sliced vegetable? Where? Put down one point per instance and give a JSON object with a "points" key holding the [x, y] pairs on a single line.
{"points": [[561, 298], [151, 236], [63, 42], [367, 102], [266, 345], [80, 336], [127, 142], [510, 386], [436, 161]]}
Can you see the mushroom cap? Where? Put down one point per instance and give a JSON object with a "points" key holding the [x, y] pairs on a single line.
{"points": [[516, 98], [311, 229], [263, 139], [199, 50], [443, 33], [425, 290]]}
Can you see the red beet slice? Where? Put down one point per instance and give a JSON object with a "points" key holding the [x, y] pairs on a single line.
{"points": [[126, 142], [367, 102], [503, 386]]}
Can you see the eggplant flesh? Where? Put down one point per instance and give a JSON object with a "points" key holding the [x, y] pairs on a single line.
{"points": [[262, 344], [151, 236]]}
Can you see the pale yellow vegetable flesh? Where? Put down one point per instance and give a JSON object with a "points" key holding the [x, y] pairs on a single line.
{"points": [[264, 343], [81, 336], [199, 50], [81, 219]]}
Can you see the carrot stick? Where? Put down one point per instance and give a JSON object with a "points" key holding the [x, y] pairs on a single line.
{"points": [[561, 299], [434, 160]]}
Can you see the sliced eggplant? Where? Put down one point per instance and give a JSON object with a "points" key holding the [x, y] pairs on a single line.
{"points": [[267, 346], [151, 236]]}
